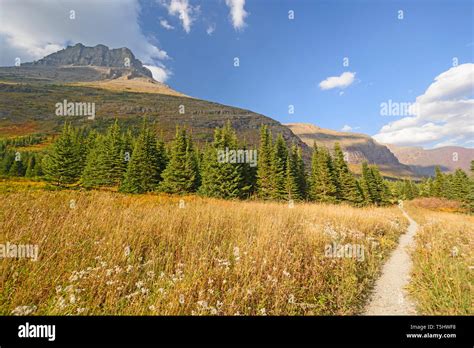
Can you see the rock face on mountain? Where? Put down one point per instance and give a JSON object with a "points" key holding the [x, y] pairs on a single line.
{"points": [[98, 56], [359, 148], [422, 161]]}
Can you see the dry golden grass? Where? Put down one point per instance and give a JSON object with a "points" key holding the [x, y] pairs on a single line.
{"points": [[143, 255], [443, 260]]}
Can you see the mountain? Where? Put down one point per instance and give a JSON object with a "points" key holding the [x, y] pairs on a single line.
{"points": [[98, 56], [98, 67], [359, 148], [423, 162], [79, 74]]}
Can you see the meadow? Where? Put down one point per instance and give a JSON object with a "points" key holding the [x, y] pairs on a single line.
{"points": [[106, 253], [443, 258]]}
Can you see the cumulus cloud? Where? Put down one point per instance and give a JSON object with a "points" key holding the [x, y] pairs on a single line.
{"points": [[346, 128], [164, 23], [237, 13], [342, 81], [443, 115], [160, 73], [185, 12], [32, 29]]}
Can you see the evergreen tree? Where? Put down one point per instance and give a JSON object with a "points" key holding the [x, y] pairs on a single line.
{"points": [[293, 184], [347, 185], [323, 187], [221, 175], [146, 163], [279, 169], [439, 183], [181, 174], [63, 164], [31, 166], [265, 170], [460, 186]]}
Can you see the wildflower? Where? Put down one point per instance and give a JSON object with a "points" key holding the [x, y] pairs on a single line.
{"points": [[72, 298], [58, 289], [129, 268], [152, 308], [213, 311], [24, 310], [145, 291], [108, 272], [150, 274], [454, 252], [73, 278], [139, 284], [126, 251], [236, 253], [286, 274], [291, 299], [181, 299], [80, 310], [263, 311]]}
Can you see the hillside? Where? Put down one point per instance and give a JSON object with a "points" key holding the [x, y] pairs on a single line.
{"points": [[359, 148], [422, 161]]}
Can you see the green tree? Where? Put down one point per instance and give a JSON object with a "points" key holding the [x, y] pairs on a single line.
{"points": [[222, 174], [146, 163], [265, 169], [62, 165], [347, 184], [181, 174]]}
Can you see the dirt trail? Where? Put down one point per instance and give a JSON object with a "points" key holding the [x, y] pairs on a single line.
{"points": [[389, 296]]}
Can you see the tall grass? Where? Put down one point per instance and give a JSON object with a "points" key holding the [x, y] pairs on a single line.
{"points": [[108, 253], [443, 260]]}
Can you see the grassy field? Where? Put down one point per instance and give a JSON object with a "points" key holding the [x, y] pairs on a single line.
{"points": [[108, 253], [443, 260]]}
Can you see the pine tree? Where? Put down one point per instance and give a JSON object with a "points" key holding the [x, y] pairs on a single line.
{"points": [[460, 186], [64, 162], [181, 174], [221, 176], [293, 185], [146, 163], [368, 185], [31, 166], [17, 168], [323, 187], [265, 170], [105, 164], [279, 163], [347, 184], [439, 183]]}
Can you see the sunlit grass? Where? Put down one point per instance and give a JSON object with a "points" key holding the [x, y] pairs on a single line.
{"points": [[109, 253]]}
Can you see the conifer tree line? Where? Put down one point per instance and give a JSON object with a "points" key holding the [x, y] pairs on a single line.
{"points": [[144, 163]]}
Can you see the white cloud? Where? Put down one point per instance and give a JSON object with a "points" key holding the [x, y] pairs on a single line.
{"points": [[237, 13], [346, 128], [31, 29], [210, 29], [185, 12], [160, 74], [164, 23], [342, 81], [444, 113]]}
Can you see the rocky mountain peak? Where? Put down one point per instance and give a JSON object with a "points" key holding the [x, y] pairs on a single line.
{"points": [[99, 56]]}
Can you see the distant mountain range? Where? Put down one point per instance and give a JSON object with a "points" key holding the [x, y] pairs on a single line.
{"points": [[123, 88], [393, 160]]}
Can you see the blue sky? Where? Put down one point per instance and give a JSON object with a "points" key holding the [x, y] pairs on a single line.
{"points": [[283, 61]]}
